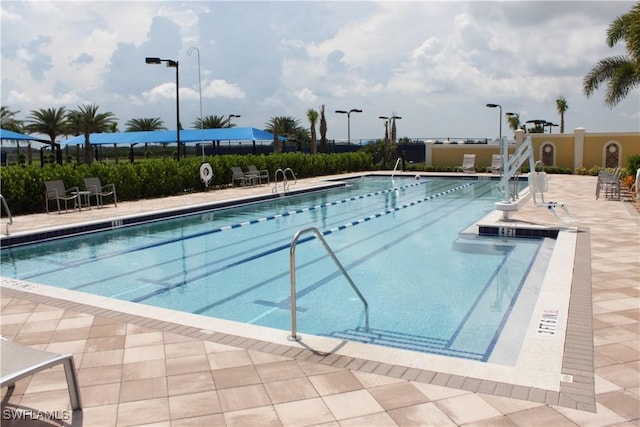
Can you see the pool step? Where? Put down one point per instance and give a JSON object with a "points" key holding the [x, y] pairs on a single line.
{"points": [[401, 340]]}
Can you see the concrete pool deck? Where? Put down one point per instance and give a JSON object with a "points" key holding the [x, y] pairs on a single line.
{"points": [[136, 369]]}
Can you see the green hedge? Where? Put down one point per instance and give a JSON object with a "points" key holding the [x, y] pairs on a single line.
{"points": [[23, 185]]}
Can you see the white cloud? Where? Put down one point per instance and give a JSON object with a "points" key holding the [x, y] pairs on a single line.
{"points": [[161, 92], [306, 95], [436, 63], [222, 89]]}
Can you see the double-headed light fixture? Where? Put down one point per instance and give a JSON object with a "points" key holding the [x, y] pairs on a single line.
{"points": [[348, 113]]}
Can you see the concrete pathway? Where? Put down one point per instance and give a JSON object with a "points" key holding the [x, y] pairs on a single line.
{"points": [[134, 370]]}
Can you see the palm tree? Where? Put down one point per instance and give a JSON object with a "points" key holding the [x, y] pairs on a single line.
{"points": [[212, 122], [86, 120], [51, 122], [323, 130], [282, 126], [393, 128], [8, 120], [621, 72], [312, 115], [561, 106], [145, 124], [513, 120]]}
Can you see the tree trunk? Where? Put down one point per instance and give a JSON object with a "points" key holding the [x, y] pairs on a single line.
{"points": [[87, 150]]}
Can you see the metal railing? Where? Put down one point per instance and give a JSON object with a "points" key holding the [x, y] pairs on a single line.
{"points": [[6, 208], [395, 168], [285, 180], [511, 166], [292, 257]]}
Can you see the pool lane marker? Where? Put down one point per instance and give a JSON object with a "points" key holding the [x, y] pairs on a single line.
{"points": [[312, 208], [220, 229], [397, 208], [285, 246], [338, 202]]}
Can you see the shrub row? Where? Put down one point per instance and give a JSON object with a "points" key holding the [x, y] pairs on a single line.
{"points": [[23, 185]]}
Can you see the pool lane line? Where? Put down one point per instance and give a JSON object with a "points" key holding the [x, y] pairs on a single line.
{"points": [[286, 273], [226, 258], [236, 263], [288, 245], [63, 266]]}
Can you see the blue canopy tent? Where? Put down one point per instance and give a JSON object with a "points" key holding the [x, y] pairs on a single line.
{"points": [[8, 135], [15, 136], [187, 136], [169, 136]]}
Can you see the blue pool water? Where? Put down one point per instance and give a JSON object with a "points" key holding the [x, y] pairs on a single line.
{"points": [[429, 288]]}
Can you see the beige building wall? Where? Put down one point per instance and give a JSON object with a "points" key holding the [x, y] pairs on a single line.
{"points": [[568, 150]]}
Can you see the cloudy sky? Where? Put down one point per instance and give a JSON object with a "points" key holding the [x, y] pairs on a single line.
{"points": [[435, 64]]}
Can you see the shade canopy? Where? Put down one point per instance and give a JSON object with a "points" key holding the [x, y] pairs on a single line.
{"points": [[15, 136], [169, 136]]}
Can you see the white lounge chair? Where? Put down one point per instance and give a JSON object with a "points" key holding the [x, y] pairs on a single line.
{"points": [[496, 164], [539, 184], [18, 362], [468, 164]]}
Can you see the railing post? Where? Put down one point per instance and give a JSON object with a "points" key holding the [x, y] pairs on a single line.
{"points": [[292, 265]]}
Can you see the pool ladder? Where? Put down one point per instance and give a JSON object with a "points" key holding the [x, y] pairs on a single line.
{"points": [[292, 257], [395, 168], [285, 181], [6, 208]]}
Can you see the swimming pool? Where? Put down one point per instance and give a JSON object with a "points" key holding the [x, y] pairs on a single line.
{"points": [[429, 288]]}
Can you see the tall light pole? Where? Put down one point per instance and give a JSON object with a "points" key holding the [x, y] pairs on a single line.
{"points": [[500, 107], [189, 52], [389, 122], [348, 113], [171, 64], [230, 117]]}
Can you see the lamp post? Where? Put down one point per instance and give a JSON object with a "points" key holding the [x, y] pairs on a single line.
{"points": [[348, 113], [500, 107], [189, 52], [503, 144], [230, 117], [171, 64], [389, 122]]}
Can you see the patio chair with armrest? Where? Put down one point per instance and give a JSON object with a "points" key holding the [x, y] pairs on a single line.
{"points": [[99, 191], [18, 362], [610, 183], [496, 164], [256, 175], [468, 164], [55, 190], [238, 176]]}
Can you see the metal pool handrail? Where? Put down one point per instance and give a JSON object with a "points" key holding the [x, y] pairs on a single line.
{"points": [[285, 181], [6, 208], [395, 168], [292, 258]]}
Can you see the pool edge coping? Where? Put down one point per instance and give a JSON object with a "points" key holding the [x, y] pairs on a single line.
{"points": [[576, 386]]}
